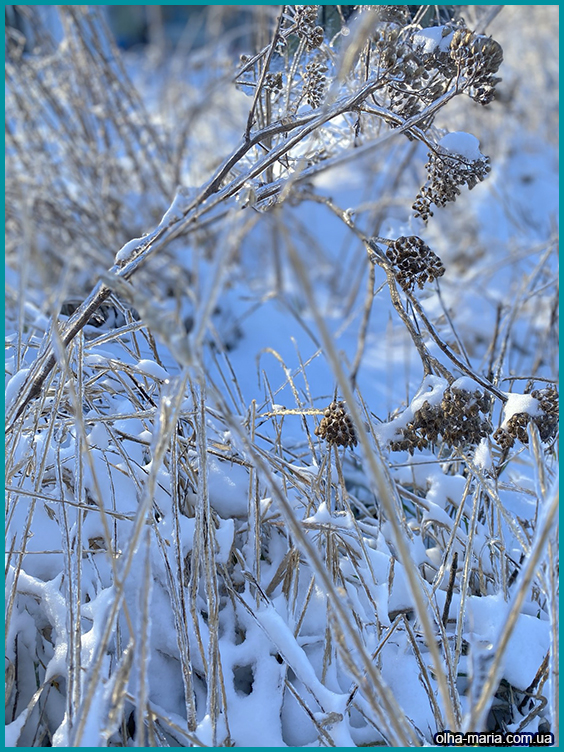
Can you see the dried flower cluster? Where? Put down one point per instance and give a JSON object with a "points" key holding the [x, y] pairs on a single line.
{"points": [[446, 172], [273, 81], [546, 420], [314, 87], [417, 69], [336, 426], [397, 14], [459, 420], [418, 74], [478, 58], [414, 262], [415, 77], [305, 17]]}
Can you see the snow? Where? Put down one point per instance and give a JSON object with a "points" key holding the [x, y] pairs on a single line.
{"points": [[152, 369], [13, 386], [482, 456], [464, 144], [433, 37], [323, 517], [128, 250], [224, 536], [446, 489], [528, 643], [260, 614], [466, 384], [178, 207], [228, 486], [279, 632], [519, 403], [13, 730]]}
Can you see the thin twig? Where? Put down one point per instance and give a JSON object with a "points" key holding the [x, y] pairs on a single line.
{"points": [[264, 71]]}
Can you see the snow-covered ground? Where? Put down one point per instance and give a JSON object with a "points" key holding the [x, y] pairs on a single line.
{"points": [[189, 563]]}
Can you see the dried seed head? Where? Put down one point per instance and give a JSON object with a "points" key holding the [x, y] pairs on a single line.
{"points": [[478, 58], [273, 81], [305, 17], [314, 87], [446, 172], [459, 420], [315, 38], [546, 420], [336, 426], [414, 262], [396, 14]]}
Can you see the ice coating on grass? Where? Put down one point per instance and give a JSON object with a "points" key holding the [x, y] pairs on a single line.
{"points": [[464, 144], [179, 206], [128, 250]]}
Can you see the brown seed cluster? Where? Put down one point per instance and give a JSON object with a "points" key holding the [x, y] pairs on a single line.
{"points": [[305, 17], [416, 75], [446, 172], [336, 426], [397, 14], [415, 78], [314, 87], [478, 59], [273, 81], [459, 420], [546, 420], [414, 262]]}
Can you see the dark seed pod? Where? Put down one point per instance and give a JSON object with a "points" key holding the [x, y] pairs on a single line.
{"points": [[336, 426], [446, 172], [546, 420], [459, 420], [414, 262]]}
